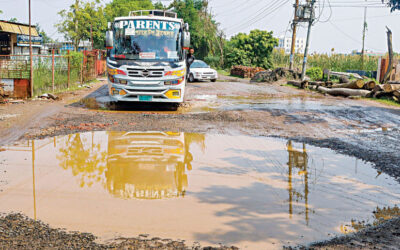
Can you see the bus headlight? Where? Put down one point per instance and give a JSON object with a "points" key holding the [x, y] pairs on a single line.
{"points": [[178, 73], [114, 72], [175, 82]]}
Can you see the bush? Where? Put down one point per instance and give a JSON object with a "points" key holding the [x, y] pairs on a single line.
{"points": [[315, 73], [76, 58], [213, 61]]}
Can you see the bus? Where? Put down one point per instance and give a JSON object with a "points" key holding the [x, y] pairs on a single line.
{"points": [[146, 57]]}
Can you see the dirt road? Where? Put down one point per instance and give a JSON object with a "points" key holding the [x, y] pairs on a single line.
{"points": [[249, 165]]}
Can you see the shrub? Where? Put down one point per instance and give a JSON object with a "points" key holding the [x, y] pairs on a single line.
{"points": [[213, 61], [315, 73]]}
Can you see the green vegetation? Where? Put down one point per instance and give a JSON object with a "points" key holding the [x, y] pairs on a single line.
{"points": [[386, 101], [315, 73], [253, 50], [207, 39], [117, 8], [223, 72], [43, 77], [333, 62], [78, 22]]}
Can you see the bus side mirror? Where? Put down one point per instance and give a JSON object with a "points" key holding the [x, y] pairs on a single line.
{"points": [[186, 26], [186, 39], [109, 39], [109, 25]]}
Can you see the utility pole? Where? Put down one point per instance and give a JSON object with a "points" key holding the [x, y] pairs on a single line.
{"points": [[292, 51], [363, 38], [30, 48], [311, 4], [91, 34], [76, 24]]}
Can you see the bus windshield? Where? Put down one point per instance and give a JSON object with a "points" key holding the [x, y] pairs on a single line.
{"points": [[152, 40]]}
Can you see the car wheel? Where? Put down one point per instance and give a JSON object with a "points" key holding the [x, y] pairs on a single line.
{"points": [[191, 78]]}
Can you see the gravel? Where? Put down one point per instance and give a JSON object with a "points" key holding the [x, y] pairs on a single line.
{"points": [[20, 232]]}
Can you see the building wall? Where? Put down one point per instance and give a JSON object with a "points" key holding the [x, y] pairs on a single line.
{"points": [[286, 44]]}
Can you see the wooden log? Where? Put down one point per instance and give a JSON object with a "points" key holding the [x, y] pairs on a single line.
{"points": [[302, 85], [396, 93], [328, 84], [370, 85], [344, 79], [357, 76], [317, 83], [378, 88], [344, 92], [381, 94], [358, 84], [313, 87], [388, 88]]}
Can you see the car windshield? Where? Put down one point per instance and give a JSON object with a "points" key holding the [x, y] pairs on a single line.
{"points": [[199, 64], [152, 40]]}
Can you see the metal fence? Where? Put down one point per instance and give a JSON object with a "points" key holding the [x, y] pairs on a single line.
{"points": [[53, 73]]}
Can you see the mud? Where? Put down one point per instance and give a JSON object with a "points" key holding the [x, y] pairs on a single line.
{"points": [[362, 129], [280, 191]]}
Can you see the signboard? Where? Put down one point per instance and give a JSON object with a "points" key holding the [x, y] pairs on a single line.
{"points": [[147, 55], [148, 27], [23, 40], [7, 84]]}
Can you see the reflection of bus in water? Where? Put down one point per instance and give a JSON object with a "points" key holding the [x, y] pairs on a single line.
{"points": [[147, 165]]}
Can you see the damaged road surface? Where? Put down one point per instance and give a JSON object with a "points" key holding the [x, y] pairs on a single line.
{"points": [[253, 166]]}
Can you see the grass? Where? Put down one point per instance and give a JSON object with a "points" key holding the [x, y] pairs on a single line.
{"points": [[335, 62], [43, 80], [290, 85], [223, 72], [385, 101]]}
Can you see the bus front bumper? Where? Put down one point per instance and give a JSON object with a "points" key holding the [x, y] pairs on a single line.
{"points": [[164, 94]]}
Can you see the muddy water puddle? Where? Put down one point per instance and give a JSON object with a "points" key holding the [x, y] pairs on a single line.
{"points": [[251, 192]]}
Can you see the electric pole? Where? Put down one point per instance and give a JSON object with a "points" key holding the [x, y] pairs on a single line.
{"points": [[311, 4], [363, 38], [76, 9], [292, 51], [30, 48]]}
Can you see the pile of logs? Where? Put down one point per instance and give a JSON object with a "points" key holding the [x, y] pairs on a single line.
{"points": [[356, 88], [275, 75], [245, 72], [2, 94]]}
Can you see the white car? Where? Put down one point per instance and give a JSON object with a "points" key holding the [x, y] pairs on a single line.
{"points": [[199, 71]]}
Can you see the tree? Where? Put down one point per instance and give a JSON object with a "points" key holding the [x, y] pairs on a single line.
{"points": [[118, 8], [43, 34], [393, 4], [13, 20], [159, 6], [82, 22], [254, 49], [203, 28]]}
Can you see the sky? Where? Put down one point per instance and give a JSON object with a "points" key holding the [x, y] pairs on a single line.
{"points": [[339, 27]]}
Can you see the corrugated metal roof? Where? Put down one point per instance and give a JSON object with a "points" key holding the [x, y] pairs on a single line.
{"points": [[17, 29]]}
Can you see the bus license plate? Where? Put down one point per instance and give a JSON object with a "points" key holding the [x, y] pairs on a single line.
{"points": [[145, 98]]}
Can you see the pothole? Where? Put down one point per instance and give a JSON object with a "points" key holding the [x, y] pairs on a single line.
{"points": [[253, 192]]}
